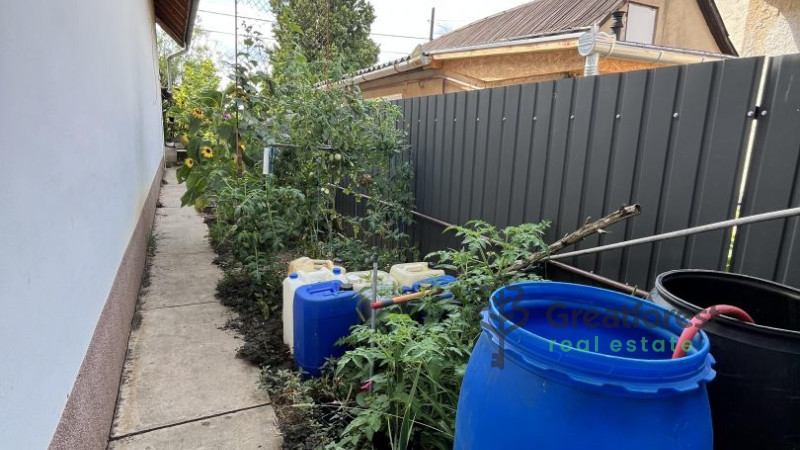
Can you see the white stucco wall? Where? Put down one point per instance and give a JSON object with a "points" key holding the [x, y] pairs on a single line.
{"points": [[80, 143], [762, 27]]}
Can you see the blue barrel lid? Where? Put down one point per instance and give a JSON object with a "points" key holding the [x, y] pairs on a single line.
{"points": [[634, 375]]}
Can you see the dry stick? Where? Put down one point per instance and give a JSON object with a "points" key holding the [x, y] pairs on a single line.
{"points": [[623, 213]]}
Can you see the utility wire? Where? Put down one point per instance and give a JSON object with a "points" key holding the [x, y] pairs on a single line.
{"points": [[272, 21], [231, 15], [273, 40], [233, 34]]}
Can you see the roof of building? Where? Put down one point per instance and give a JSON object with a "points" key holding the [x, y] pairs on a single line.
{"points": [[717, 26], [536, 18], [176, 18], [542, 17]]}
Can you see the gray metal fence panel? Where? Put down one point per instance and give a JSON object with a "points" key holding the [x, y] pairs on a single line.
{"points": [[772, 249], [672, 139]]}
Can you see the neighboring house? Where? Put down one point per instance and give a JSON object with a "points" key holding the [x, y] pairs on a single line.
{"points": [[540, 41], [82, 156], [763, 27]]}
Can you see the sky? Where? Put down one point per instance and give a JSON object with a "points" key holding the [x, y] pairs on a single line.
{"points": [[410, 19]]}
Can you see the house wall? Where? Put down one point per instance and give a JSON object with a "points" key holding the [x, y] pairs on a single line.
{"points": [[80, 149], [679, 23], [492, 71], [762, 27]]}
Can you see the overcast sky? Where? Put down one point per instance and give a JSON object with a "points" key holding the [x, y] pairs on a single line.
{"points": [[393, 17]]}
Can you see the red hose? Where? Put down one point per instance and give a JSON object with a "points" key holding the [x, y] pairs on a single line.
{"points": [[704, 316]]}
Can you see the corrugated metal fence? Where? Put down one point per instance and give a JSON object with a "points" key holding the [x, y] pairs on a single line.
{"points": [[672, 139]]}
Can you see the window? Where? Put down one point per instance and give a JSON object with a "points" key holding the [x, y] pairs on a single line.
{"points": [[641, 26]]}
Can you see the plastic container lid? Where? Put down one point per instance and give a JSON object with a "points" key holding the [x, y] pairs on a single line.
{"points": [[337, 271], [293, 275], [527, 343]]}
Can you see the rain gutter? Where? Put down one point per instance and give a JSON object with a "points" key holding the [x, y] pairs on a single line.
{"points": [[594, 45], [418, 58]]}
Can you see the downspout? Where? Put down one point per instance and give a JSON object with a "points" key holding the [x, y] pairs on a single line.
{"points": [[187, 42]]}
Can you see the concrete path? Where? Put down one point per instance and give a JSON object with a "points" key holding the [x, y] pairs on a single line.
{"points": [[183, 387]]}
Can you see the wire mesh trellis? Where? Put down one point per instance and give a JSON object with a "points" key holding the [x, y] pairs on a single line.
{"points": [[251, 10]]}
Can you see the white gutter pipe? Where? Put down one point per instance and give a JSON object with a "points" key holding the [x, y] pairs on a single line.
{"points": [[417, 59], [186, 45], [595, 45], [420, 59]]}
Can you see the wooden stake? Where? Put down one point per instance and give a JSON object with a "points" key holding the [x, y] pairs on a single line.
{"points": [[588, 229]]}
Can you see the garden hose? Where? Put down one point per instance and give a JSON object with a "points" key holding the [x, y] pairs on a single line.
{"points": [[702, 318]]}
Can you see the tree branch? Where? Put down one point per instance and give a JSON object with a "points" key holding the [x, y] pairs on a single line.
{"points": [[588, 229]]}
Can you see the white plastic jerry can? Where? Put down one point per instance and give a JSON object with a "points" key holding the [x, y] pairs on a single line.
{"points": [[306, 264], [409, 273], [290, 285], [362, 280]]}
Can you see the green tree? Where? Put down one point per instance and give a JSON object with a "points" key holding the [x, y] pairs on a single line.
{"points": [[198, 51], [198, 81], [326, 30]]}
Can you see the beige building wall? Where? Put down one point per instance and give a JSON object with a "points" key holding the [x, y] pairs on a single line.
{"points": [[762, 27], [680, 24]]}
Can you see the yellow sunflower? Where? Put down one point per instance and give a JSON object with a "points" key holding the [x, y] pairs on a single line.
{"points": [[185, 139], [206, 151], [197, 112], [189, 162]]}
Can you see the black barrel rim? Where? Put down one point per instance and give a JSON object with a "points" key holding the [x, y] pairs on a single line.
{"points": [[728, 321]]}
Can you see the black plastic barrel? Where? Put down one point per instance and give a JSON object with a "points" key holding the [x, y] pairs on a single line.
{"points": [[755, 399]]}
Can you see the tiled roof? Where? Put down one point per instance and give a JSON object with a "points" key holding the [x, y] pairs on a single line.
{"points": [[175, 17], [536, 18]]}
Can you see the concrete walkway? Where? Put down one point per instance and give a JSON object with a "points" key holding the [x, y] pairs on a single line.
{"points": [[183, 387]]}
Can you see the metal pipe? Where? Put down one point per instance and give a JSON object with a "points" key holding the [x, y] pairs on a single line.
{"points": [[617, 25], [186, 44], [626, 288], [415, 213], [781, 214]]}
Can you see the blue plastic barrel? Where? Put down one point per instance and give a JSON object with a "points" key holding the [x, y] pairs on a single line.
{"points": [[547, 373], [323, 314]]}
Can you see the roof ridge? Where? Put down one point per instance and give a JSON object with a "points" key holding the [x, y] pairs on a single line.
{"points": [[483, 19]]}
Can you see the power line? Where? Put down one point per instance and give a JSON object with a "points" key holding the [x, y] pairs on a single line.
{"points": [[399, 36], [272, 21], [234, 34], [231, 15]]}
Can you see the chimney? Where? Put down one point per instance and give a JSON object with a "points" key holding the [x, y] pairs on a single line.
{"points": [[616, 26]]}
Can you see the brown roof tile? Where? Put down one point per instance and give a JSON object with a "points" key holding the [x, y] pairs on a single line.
{"points": [[174, 18], [540, 17]]}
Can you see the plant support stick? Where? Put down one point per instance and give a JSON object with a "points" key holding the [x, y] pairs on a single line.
{"points": [[372, 312]]}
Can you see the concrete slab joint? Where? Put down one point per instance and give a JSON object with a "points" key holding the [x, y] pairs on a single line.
{"points": [[182, 386]]}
